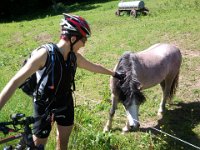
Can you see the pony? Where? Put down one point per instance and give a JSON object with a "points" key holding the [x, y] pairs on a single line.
{"points": [[159, 64]]}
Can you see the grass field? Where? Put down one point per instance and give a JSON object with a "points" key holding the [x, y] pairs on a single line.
{"points": [[170, 21]]}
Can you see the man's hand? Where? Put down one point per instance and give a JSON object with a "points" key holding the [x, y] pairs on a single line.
{"points": [[119, 76]]}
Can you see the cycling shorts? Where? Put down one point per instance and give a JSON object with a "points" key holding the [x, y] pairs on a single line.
{"points": [[64, 117]]}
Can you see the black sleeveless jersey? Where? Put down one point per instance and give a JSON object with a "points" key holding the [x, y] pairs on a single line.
{"points": [[59, 79]]}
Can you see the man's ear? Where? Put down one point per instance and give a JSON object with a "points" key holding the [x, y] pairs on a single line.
{"points": [[73, 39]]}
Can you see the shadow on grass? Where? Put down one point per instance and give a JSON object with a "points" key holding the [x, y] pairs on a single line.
{"points": [[179, 122], [53, 10]]}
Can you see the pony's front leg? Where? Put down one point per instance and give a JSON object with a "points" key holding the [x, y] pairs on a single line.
{"points": [[126, 128], [108, 125]]}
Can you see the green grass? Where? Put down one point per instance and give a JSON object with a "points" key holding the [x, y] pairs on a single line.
{"points": [[172, 21]]}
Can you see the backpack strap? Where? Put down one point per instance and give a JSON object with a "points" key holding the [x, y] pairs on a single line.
{"points": [[72, 63], [50, 64], [51, 50]]}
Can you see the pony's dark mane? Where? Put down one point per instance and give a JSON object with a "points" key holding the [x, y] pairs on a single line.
{"points": [[129, 88]]}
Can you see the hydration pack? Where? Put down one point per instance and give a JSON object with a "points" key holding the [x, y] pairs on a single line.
{"points": [[30, 85]]}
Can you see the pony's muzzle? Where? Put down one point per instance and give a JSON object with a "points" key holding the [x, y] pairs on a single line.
{"points": [[132, 115], [131, 128], [135, 127]]}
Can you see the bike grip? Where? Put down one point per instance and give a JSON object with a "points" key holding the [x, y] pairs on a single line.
{"points": [[17, 116]]}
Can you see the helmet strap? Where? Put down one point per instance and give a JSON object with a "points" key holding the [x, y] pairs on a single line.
{"points": [[72, 44]]}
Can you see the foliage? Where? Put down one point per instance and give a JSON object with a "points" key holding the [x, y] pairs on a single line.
{"points": [[171, 21], [14, 8]]}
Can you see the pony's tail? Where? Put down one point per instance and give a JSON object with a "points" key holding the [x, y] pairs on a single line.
{"points": [[174, 87]]}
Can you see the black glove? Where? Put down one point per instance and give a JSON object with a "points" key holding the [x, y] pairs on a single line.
{"points": [[119, 76]]}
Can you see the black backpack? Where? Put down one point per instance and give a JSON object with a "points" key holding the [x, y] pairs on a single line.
{"points": [[30, 85]]}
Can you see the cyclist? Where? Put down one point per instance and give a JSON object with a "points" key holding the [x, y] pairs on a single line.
{"points": [[74, 33]]}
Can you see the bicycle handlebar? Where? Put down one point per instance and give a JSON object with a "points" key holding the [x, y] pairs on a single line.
{"points": [[17, 119], [25, 122], [20, 119]]}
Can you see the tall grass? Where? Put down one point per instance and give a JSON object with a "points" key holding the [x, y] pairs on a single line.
{"points": [[171, 21]]}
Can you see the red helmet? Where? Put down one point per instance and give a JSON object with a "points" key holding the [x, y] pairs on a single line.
{"points": [[75, 25]]}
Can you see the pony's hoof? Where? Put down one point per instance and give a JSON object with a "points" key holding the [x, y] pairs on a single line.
{"points": [[125, 129], [106, 129], [130, 129], [160, 114]]}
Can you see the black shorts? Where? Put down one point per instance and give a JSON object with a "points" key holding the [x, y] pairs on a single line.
{"points": [[64, 116]]}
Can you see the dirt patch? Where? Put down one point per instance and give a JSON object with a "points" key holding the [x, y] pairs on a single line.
{"points": [[148, 124], [43, 38], [191, 53], [15, 40]]}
